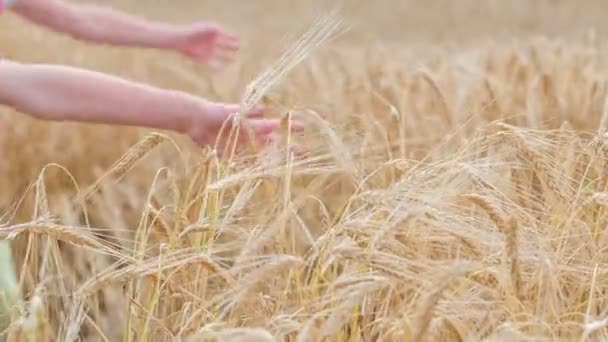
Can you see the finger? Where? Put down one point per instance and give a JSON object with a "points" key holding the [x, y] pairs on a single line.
{"points": [[230, 36], [233, 108], [296, 126], [226, 49], [265, 126], [297, 149], [256, 112], [229, 108], [256, 129], [225, 56], [228, 44], [222, 58]]}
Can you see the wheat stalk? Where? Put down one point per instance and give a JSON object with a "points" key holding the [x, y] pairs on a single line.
{"points": [[122, 166], [74, 235], [509, 228], [433, 297]]}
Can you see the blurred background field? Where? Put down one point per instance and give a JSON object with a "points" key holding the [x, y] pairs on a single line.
{"points": [[417, 216]]}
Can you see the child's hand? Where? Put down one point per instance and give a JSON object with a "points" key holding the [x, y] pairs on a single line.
{"points": [[206, 128], [204, 41]]}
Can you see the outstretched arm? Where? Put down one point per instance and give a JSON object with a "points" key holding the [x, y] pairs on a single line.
{"points": [[105, 25], [60, 93]]}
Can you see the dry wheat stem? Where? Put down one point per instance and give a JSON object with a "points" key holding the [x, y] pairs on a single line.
{"points": [[126, 162], [74, 235]]}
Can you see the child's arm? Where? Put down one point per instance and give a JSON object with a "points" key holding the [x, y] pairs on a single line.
{"points": [[60, 93], [104, 25]]}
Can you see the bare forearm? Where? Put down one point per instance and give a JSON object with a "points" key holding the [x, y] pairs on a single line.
{"points": [[98, 24], [61, 93]]}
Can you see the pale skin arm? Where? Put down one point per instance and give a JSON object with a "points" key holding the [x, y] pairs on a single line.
{"points": [[101, 24], [61, 93], [96, 24]]}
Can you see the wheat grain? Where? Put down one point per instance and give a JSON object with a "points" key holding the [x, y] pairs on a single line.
{"points": [[512, 253], [126, 162], [73, 235], [433, 297]]}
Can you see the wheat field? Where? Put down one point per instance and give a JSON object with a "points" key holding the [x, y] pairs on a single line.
{"points": [[454, 186]]}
